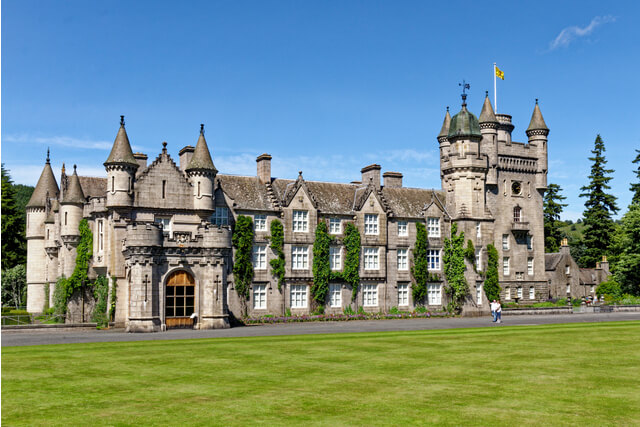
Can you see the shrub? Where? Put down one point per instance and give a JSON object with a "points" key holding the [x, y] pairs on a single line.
{"points": [[609, 288], [348, 310]]}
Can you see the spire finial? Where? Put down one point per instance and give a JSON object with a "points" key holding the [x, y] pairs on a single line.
{"points": [[48, 161], [465, 86], [536, 101], [447, 108], [486, 93], [201, 129], [122, 121], [300, 173], [74, 169]]}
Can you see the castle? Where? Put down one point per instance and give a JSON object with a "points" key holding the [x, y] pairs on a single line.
{"points": [[163, 230]]}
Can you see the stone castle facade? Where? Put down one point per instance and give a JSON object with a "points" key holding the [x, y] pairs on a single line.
{"points": [[163, 230]]}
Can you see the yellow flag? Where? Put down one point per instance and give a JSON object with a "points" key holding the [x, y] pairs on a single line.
{"points": [[499, 73]]}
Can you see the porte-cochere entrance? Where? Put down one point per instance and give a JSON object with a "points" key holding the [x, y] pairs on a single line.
{"points": [[180, 300]]}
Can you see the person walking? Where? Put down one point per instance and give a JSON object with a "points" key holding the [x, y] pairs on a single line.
{"points": [[498, 312], [493, 311]]}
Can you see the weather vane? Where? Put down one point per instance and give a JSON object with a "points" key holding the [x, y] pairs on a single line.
{"points": [[465, 86]]}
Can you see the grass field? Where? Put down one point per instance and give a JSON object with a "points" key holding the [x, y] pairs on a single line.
{"points": [[580, 374]]}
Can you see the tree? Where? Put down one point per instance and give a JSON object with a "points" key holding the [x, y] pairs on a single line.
{"points": [[600, 206], [242, 240], [420, 268], [23, 194], [491, 282], [457, 287], [14, 249], [14, 286], [552, 210], [635, 187], [627, 266], [321, 264]]}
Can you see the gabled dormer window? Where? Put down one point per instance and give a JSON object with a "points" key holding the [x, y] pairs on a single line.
{"points": [[220, 216], [300, 221], [371, 224]]}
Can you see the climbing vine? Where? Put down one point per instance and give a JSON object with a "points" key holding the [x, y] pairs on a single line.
{"points": [[470, 253], [114, 299], [101, 294], [277, 245], [491, 283], [420, 268], [351, 272], [321, 264], [243, 263], [457, 287]]}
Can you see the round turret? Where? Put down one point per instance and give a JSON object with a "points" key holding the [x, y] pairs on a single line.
{"points": [[201, 174], [464, 125], [121, 168]]}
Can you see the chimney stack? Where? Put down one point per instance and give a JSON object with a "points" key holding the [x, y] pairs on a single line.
{"points": [[141, 158], [371, 172], [564, 246], [264, 168], [185, 156], [392, 179]]}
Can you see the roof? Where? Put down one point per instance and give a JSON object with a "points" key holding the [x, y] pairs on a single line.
{"points": [[247, 192], [74, 193], [552, 260], [46, 184], [408, 202], [201, 159], [121, 151], [93, 186], [537, 121], [588, 276], [487, 114], [445, 125], [464, 124]]}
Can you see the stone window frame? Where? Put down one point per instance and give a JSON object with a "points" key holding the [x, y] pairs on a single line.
{"points": [[371, 224], [335, 226], [260, 222], [259, 257], [433, 227], [403, 294], [298, 296], [517, 214], [220, 216], [479, 259], [369, 295], [532, 292], [403, 228], [434, 259], [434, 294], [506, 266], [299, 257], [100, 233], [530, 266], [505, 242], [371, 258], [259, 296], [300, 221], [335, 258], [403, 259], [478, 230], [335, 295], [479, 288]]}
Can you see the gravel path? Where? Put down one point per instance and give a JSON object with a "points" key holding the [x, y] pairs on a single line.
{"points": [[66, 336]]}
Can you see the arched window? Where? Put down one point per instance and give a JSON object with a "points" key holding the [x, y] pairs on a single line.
{"points": [[517, 214]]}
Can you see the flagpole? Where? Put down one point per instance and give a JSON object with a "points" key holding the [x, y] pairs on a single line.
{"points": [[495, 93]]}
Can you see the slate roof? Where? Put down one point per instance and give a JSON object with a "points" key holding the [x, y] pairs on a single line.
{"points": [[121, 151], [551, 261], [445, 125], [247, 192], [487, 115], [201, 159], [588, 276], [408, 202], [73, 193], [46, 183], [537, 122], [93, 186]]}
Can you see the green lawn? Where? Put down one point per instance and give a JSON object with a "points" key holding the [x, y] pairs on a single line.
{"points": [[581, 374]]}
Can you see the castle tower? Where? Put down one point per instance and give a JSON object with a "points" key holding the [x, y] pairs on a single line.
{"points": [[489, 146], [538, 133], [463, 166], [45, 192], [201, 174], [71, 208], [442, 138], [121, 168]]}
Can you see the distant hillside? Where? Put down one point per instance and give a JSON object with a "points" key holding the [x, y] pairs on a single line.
{"points": [[573, 230]]}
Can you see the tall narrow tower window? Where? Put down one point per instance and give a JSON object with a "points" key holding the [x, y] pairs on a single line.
{"points": [[198, 188], [517, 217], [113, 184], [130, 186], [164, 188], [65, 218]]}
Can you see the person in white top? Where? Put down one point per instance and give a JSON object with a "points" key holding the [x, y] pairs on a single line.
{"points": [[493, 310], [498, 312]]}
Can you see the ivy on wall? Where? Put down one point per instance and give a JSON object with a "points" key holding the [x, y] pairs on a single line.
{"points": [[491, 282], [277, 244], [101, 294], [321, 264], [420, 268], [242, 240], [351, 272], [454, 254], [114, 299]]}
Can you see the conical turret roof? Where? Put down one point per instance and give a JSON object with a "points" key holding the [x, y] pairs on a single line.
{"points": [[464, 124], [537, 122], [487, 115], [74, 193], [201, 159], [445, 125], [121, 151], [47, 184]]}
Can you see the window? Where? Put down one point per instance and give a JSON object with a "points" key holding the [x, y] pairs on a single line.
{"points": [[433, 259], [48, 234], [403, 294], [516, 188], [371, 259], [198, 188], [479, 293], [532, 292], [505, 242], [300, 258], [259, 297], [479, 259], [260, 222], [517, 214], [164, 188], [403, 259], [505, 266], [335, 295], [507, 293], [433, 227], [519, 291], [179, 299], [568, 288], [593, 289], [260, 257], [519, 275], [370, 224], [403, 229], [567, 269], [113, 184], [530, 266], [65, 217], [529, 242], [478, 230], [370, 295], [335, 257], [335, 226], [298, 296], [220, 216], [166, 224], [100, 235], [434, 294], [300, 221]]}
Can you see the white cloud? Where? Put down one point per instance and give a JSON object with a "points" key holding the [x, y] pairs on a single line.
{"points": [[567, 35], [63, 141]]}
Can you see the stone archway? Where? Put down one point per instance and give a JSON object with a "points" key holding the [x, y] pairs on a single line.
{"points": [[179, 300]]}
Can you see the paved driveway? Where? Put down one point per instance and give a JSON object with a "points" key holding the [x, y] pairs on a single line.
{"points": [[52, 336]]}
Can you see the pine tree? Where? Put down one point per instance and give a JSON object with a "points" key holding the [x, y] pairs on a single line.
{"points": [[635, 187], [600, 206], [552, 210], [627, 266], [491, 281], [14, 249]]}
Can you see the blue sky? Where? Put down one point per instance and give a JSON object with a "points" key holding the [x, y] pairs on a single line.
{"points": [[324, 87]]}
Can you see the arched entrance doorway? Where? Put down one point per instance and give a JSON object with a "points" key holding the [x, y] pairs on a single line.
{"points": [[180, 300]]}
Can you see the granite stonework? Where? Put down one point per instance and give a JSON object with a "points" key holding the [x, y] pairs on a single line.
{"points": [[162, 231]]}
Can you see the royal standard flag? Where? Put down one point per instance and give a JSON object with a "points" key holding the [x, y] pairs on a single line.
{"points": [[499, 73]]}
